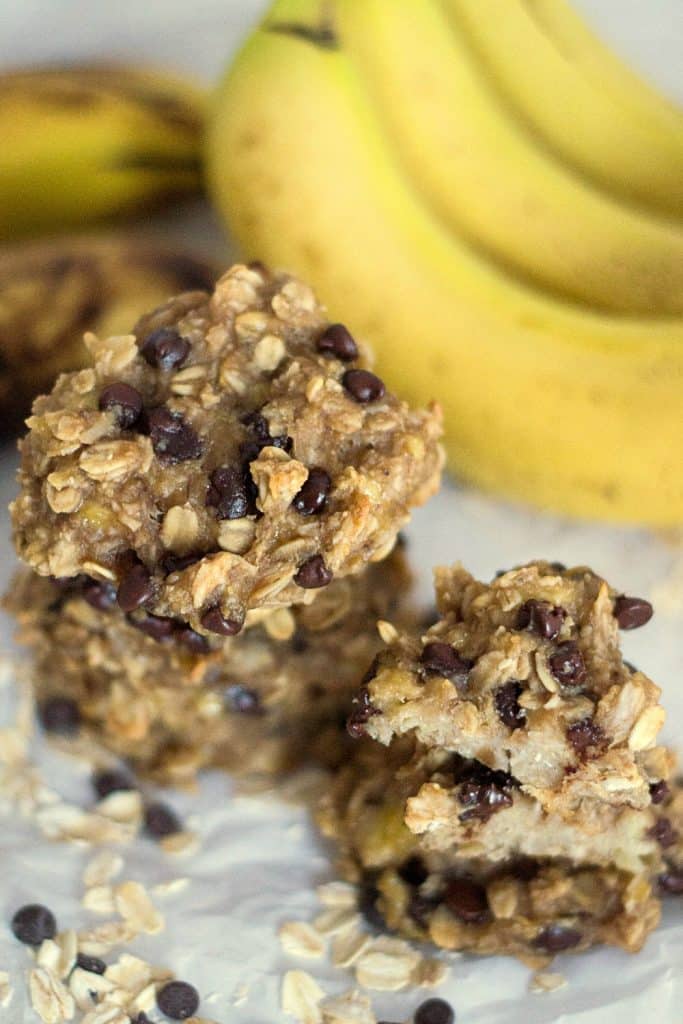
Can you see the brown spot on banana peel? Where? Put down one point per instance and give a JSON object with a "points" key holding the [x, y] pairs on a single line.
{"points": [[323, 35]]}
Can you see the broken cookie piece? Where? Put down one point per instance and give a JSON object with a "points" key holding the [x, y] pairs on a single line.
{"points": [[233, 453]]}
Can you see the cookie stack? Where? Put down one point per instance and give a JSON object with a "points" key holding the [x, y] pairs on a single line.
{"points": [[507, 794], [209, 516]]}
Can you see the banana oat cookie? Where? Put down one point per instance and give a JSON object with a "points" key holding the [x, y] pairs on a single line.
{"points": [[525, 675], [172, 702], [233, 453]]}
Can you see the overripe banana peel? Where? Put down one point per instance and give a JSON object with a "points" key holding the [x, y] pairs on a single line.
{"points": [[52, 292], [88, 144], [554, 403]]}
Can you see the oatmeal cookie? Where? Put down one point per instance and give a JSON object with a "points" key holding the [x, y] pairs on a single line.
{"points": [[525, 675], [230, 454], [172, 702], [467, 872]]}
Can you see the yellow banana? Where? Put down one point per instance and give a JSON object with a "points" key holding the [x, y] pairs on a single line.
{"points": [[570, 409], [586, 105], [52, 292], [84, 144], [484, 175]]}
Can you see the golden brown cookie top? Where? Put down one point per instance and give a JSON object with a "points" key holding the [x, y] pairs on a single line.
{"points": [[232, 453]]}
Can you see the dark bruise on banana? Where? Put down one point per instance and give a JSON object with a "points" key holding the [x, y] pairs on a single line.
{"points": [[52, 293]]}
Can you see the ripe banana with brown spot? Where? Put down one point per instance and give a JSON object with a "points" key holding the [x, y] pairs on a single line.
{"points": [[87, 144], [51, 293], [545, 400]]}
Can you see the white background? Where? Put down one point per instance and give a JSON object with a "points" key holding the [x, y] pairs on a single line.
{"points": [[259, 859]]}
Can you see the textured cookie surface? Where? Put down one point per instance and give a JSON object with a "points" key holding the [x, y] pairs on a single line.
{"points": [[230, 454]]}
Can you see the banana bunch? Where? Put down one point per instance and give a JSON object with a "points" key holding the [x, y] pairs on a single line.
{"points": [[507, 233], [85, 144], [51, 293]]}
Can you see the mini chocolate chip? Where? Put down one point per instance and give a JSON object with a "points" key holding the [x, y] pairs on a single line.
{"points": [[632, 612], [214, 620], [230, 493], [555, 938], [368, 894], [413, 871], [90, 963], [100, 594], [542, 618], [176, 563], [481, 800], [664, 832], [157, 627], [244, 700], [507, 705], [441, 659], [586, 736], [161, 821], [60, 715], [194, 641], [165, 348], [313, 574], [659, 792], [312, 497], [567, 664], [173, 440], [467, 901], [363, 386], [33, 924], [108, 782], [337, 342], [135, 589], [671, 882], [258, 425], [178, 1000], [363, 709], [434, 1011], [124, 401]]}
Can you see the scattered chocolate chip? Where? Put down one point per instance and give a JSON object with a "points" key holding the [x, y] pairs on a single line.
{"points": [[542, 618], [135, 589], [90, 963], [173, 440], [586, 736], [244, 700], [632, 612], [158, 627], [567, 664], [60, 715], [108, 782], [467, 901], [482, 799], [368, 895], [230, 493], [434, 1011], [555, 938], [413, 871], [362, 710], [178, 1000], [507, 705], [165, 348], [33, 924], [100, 594], [161, 821], [441, 659], [214, 620], [671, 882], [124, 401], [262, 438], [312, 497], [313, 574], [176, 563], [194, 641], [664, 832], [659, 792], [337, 342], [363, 386]]}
